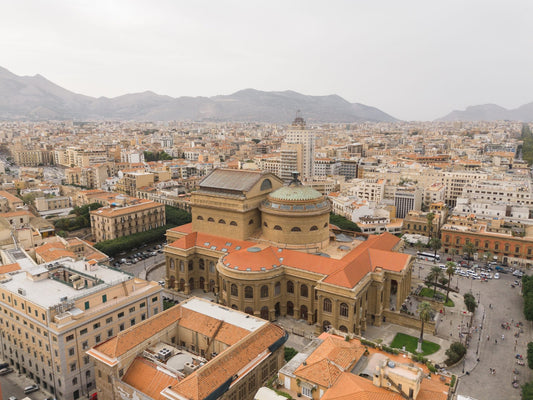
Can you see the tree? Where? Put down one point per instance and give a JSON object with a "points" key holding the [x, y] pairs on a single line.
{"points": [[435, 244], [424, 312], [530, 355], [430, 217], [434, 275], [343, 223], [470, 302], [450, 271], [456, 351], [469, 249]]}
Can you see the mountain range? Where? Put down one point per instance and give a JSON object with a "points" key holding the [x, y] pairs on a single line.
{"points": [[36, 98], [491, 112]]}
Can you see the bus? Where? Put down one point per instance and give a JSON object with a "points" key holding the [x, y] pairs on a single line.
{"points": [[428, 256]]}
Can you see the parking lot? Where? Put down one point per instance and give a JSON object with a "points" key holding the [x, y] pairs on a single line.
{"points": [[500, 304]]}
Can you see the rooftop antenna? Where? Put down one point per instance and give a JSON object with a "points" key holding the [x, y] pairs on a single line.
{"points": [[299, 121]]}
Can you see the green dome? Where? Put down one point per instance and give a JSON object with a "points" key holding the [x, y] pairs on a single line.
{"points": [[295, 192]]}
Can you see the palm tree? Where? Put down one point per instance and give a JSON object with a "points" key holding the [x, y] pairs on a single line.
{"points": [[430, 217], [424, 312], [469, 249], [434, 275], [435, 244], [450, 271]]}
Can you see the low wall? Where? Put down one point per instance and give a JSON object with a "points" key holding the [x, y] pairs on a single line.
{"points": [[435, 305], [408, 321]]}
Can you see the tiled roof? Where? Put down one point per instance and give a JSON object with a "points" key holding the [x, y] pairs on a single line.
{"points": [[205, 380], [116, 211], [144, 376], [4, 269], [353, 387], [209, 242]]}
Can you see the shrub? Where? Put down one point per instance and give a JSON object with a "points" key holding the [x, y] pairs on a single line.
{"points": [[455, 353], [368, 343], [289, 353], [530, 355], [470, 302]]}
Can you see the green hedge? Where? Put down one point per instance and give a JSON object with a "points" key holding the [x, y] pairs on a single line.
{"points": [[343, 223], [125, 243]]}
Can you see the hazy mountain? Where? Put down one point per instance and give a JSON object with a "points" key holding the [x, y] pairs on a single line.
{"points": [[491, 112], [35, 98]]}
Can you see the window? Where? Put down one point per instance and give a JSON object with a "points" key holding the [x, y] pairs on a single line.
{"points": [[109, 320], [73, 367], [142, 305], [314, 228], [264, 291], [248, 292], [343, 310], [97, 338], [104, 298], [86, 305], [132, 309], [71, 351], [307, 392], [154, 299], [304, 291], [290, 287], [251, 222], [200, 218], [69, 338], [86, 360], [266, 184], [296, 229], [121, 314], [121, 327], [210, 219], [85, 345], [234, 290], [327, 306], [277, 228], [221, 221], [110, 333], [132, 321], [277, 288]]}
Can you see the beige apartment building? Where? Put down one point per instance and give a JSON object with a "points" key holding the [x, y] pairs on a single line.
{"points": [[132, 181], [31, 157], [51, 203], [112, 222], [46, 337], [196, 350]]}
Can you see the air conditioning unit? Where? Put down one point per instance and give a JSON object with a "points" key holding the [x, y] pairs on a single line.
{"points": [[21, 291], [164, 354]]}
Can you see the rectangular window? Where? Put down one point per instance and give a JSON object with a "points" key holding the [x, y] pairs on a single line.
{"points": [[104, 298], [132, 309], [96, 326], [85, 345], [97, 338], [86, 305], [83, 331], [121, 314], [154, 299], [109, 320], [71, 351], [142, 305], [132, 321], [69, 338], [121, 327]]}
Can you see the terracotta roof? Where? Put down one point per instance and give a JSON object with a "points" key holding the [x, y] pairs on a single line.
{"points": [[353, 387], [144, 376], [116, 211], [208, 241], [205, 380], [186, 228], [4, 269]]}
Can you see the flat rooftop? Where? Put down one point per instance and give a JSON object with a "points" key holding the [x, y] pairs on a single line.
{"points": [[234, 317]]}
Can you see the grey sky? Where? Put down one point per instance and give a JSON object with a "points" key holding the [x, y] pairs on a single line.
{"points": [[412, 59]]}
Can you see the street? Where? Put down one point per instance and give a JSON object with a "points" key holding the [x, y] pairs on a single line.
{"points": [[499, 304]]}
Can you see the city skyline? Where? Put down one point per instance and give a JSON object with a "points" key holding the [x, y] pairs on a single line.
{"points": [[413, 60]]}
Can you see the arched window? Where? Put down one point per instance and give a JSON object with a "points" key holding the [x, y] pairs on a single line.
{"points": [[343, 329], [234, 290], [211, 266], [266, 184], [210, 219], [265, 224], [191, 265], [343, 310], [277, 228], [314, 228], [304, 291], [296, 229], [290, 308], [248, 292], [251, 222], [326, 225], [233, 223], [221, 221], [264, 291], [249, 310], [182, 266], [234, 306], [290, 287], [171, 263], [327, 306], [277, 288], [201, 264], [200, 218], [191, 284]]}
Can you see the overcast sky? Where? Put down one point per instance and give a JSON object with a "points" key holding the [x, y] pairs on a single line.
{"points": [[416, 60]]}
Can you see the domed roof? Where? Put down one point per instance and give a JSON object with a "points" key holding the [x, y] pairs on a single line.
{"points": [[295, 192]]}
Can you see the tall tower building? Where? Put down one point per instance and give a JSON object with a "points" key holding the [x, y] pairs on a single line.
{"points": [[306, 139]]}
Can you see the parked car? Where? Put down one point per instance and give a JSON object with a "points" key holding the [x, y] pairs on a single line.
{"points": [[4, 365], [31, 388], [496, 275], [5, 371], [518, 273]]}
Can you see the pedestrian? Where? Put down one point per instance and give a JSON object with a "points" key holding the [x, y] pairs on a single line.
{"points": [[503, 337], [495, 341], [488, 338]]}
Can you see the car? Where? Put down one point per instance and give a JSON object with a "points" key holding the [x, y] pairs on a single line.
{"points": [[5, 371], [31, 388], [496, 275], [518, 273], [12, 398]]}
